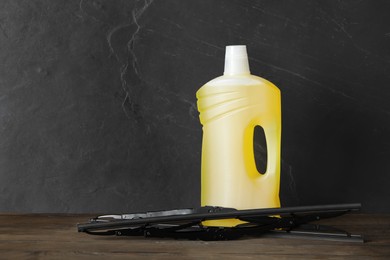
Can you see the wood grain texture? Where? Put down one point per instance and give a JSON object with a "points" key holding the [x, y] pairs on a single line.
{"points": [[48, 236]]}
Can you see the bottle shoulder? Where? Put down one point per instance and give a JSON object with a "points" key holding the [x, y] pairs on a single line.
{"points": [[238, 80], [227, 81]]}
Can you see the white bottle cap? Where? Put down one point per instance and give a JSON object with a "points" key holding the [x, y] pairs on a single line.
{"points": [[236, 60]]}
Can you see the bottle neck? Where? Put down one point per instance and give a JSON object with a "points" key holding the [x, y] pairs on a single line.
{"points": [[236, 60]]}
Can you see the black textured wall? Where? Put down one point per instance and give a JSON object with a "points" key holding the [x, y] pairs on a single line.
{"points": [[98, 109]]}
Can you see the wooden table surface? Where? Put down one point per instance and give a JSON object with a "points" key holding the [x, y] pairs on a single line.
{"points": [[54, 236]]}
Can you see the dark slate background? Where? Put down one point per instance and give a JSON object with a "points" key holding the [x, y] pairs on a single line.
{"points": [[98, 109]]}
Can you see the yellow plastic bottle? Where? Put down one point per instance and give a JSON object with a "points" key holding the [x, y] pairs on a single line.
{"points": [[230, 107]]}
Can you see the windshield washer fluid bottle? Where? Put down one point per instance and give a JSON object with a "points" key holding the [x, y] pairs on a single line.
{"points": [[230, 107]]}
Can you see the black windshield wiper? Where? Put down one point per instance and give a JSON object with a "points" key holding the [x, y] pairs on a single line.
{"points": [[187, 223]]}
